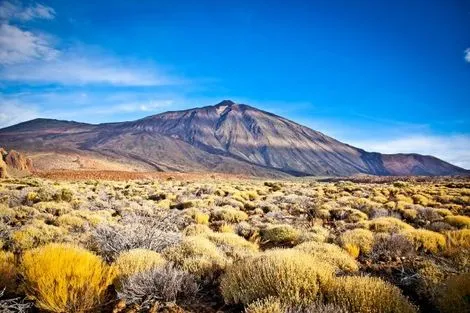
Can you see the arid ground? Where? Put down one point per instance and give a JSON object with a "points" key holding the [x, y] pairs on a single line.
{"points": [[147, 242]]}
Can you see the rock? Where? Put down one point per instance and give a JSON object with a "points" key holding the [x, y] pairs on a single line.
{"points": [[3, 169], [18, 161]]}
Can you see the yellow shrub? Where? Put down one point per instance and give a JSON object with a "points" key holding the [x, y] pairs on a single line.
{"points": [[137, 260], [226, 228], [70, 222], [430, 276], [196, 229], [64, 278], [282, 233], [229, 214], [266, 305], [410, 214], [459, 221], [368, 295], [201, 218], [290, 275], [53, 207], [455, 294], [232, 245], [7, 271], [352, 249], [363, 239], [388, 225], [426, 240], [329, 253], [458, 239], [420, 199], [197, 255], [36, 234]]}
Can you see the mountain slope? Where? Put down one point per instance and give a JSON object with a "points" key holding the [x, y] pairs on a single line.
{"points": [[227, 137]]}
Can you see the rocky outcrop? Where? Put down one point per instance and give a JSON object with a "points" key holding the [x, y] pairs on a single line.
{"points": [[18, 161], [15, 162]]}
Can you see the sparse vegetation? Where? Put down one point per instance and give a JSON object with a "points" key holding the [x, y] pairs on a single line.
{"points": [[233, 245]]}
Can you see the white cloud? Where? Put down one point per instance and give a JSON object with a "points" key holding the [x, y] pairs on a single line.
{"points": [[33, 58], [467, 55], [19, 46], [451, 148], [16, 11], [72, 69], [13, 112]]}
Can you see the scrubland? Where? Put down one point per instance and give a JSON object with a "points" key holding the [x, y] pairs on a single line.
{"points": [[234, 245]]}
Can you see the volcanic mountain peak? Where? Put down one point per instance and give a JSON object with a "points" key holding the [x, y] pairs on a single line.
{"points": [[226, 137]]}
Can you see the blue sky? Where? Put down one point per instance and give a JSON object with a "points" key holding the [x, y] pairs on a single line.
{"points": [[387, 76]]}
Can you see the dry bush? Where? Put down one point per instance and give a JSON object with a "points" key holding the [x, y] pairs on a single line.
{"points": [[54, 208], [196, 229], [274, 305], [454, 295], [65, 278], [429, 279], [391, 246], [459, 221], [111, 240], [232, 245], [197, 255], [290, 275], [8, 273], [228, 214], [279, 234], [14, 305], [137, 260], [426, 240], [266, 305], [164, 283], [36, 234], [388, 225], [368, 295], [458, 239], [363, 239], [331, 254]]}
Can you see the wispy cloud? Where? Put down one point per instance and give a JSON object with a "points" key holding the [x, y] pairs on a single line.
{"points": [[70, 68], [13, 111], [467, 55], [18, 46], [35, 58], [14, 10]]}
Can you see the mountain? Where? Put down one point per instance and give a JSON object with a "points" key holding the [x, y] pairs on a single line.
{"points": [[227, 137]]}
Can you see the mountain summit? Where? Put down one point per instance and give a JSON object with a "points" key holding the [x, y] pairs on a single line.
{"points": [[227, 137]]}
